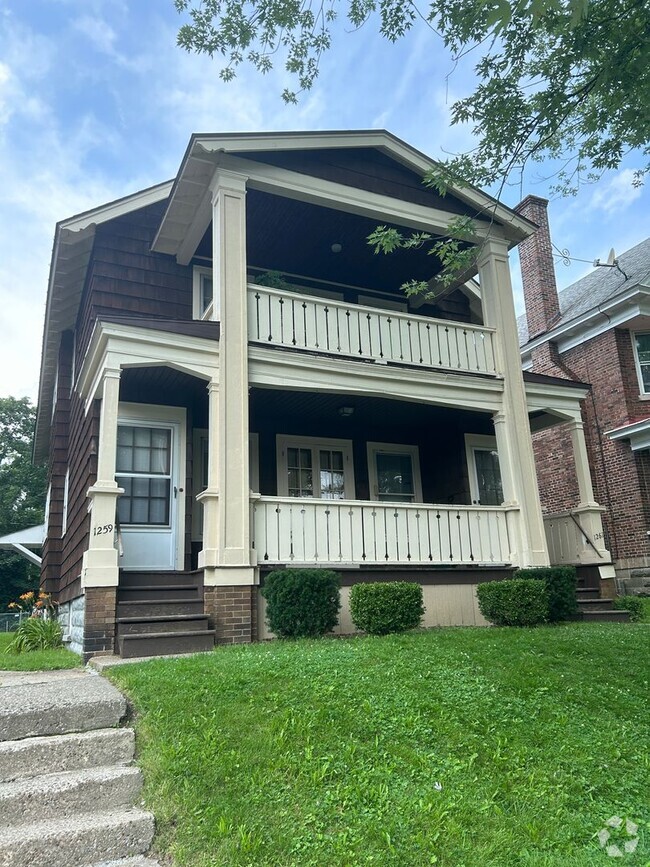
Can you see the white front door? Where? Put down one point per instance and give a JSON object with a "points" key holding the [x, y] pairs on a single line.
{"points": [[150, 511]]}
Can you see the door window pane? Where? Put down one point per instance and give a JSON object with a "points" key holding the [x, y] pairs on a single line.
{"points": [[300, 475], [395, 477], [144, 501], [145, 454], [143, 450], [332, 481], [488, 477]]}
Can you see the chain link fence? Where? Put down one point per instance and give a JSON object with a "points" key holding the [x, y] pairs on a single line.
{"points": [[9, 622]]}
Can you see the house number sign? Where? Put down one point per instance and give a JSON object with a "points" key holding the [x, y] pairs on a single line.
{"points": [[100, 531]]}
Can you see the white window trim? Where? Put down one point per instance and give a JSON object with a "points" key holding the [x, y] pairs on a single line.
{"points": [[48, 503], [393, 449], [477, 442], [637, 363], [211, 312], [66, 491], [284, 441]]}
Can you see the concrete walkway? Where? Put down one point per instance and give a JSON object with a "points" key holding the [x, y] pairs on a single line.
{"points": [[69, 790]]}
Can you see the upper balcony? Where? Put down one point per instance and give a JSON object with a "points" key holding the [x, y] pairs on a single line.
{"points": [[303, 322]]}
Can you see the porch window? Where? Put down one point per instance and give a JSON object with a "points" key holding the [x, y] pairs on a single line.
{"points": [[483, 470], [144, 471], [642, 357], [308, 467], [394, 472], [203, 305]]}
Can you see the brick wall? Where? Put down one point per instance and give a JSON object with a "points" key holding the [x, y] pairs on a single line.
{"points": [[621, 478], [232, 612], [99, 632]]}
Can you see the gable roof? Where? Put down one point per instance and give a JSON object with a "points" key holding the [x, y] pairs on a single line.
{"points": [[189, 209], [603, 284]]}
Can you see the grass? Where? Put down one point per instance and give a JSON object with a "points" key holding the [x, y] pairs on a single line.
{"points": [[454, 747], [36, 660]]}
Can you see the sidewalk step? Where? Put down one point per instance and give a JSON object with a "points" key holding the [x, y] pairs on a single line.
{"points": [[77, 841], [67, 794], [59, 707], [33, 757], [146, 579]]}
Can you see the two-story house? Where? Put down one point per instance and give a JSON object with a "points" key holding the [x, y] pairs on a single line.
{"points": [[596, 330], [232, 381]]}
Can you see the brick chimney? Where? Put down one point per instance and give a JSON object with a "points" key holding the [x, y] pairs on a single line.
{"points": [[537, 269]]}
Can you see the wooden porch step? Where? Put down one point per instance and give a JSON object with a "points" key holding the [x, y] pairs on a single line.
{"points": [[160, 643], [606, 615], [595, 605], [147, 608], [147, 579], [584, 594], [170, 623], [160, 592]]}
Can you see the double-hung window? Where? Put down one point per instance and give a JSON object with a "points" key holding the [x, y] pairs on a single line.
{"points": [[311, 467], [204, 306], [394, 472], [642, 356]]}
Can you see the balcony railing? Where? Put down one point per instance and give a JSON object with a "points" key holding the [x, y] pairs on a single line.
{"points": [[303, 322], [576, 537], [290, 531]]}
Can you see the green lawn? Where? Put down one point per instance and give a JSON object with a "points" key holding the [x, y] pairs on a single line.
{"points": [[37, 660], [455, 747]]}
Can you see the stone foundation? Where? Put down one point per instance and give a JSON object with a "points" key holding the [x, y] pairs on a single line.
{"points": [[71, 616], [99, 632], [232, 612]]}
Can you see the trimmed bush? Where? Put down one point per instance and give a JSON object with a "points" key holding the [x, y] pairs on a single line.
{"points": [[391, 606], [513, 602], [632, 604], [36, 633], [561, 585], [302, 603]]}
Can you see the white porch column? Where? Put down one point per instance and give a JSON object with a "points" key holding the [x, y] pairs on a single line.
{"points": [[100, 567], [583, 473], [229, 281], [208, 557], [513, 430]]}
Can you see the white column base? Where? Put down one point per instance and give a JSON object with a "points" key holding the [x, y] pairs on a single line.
{"points": [[227, 576]]}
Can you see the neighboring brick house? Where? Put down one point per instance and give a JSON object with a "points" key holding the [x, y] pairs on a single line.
{"points": [[597, 331], [232, 381]]}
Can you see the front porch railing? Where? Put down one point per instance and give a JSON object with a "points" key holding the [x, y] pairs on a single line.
{"points": [[317, 325], [290, 531], [576, 537]]}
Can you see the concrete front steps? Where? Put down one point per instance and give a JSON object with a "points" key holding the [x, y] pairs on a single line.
{"points": [[68, 789], [161, 613], [592, 607]]}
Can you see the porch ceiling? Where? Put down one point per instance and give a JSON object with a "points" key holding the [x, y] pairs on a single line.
{"points": [[272, 407], [296, 237]]}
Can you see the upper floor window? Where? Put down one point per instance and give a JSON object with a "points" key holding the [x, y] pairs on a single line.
{"points": [[203, 304], [642, 355]]}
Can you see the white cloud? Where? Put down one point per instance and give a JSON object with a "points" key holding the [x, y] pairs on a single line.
{"points": [[617, 194]]}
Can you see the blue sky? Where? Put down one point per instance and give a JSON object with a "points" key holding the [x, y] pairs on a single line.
{"points": [[97, 101]]}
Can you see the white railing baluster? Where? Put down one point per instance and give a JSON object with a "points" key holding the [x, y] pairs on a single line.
{"points": [[292, 531], [315, 325]]}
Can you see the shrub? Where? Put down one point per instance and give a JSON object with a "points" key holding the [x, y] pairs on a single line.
{"points": [[391, 606], [36, 633], [302, 603], [561, 585], [632, 604], [514, 602]]}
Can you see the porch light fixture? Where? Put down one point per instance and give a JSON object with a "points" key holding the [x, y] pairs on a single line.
{"points": [[346, 411], [336, 248]]}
